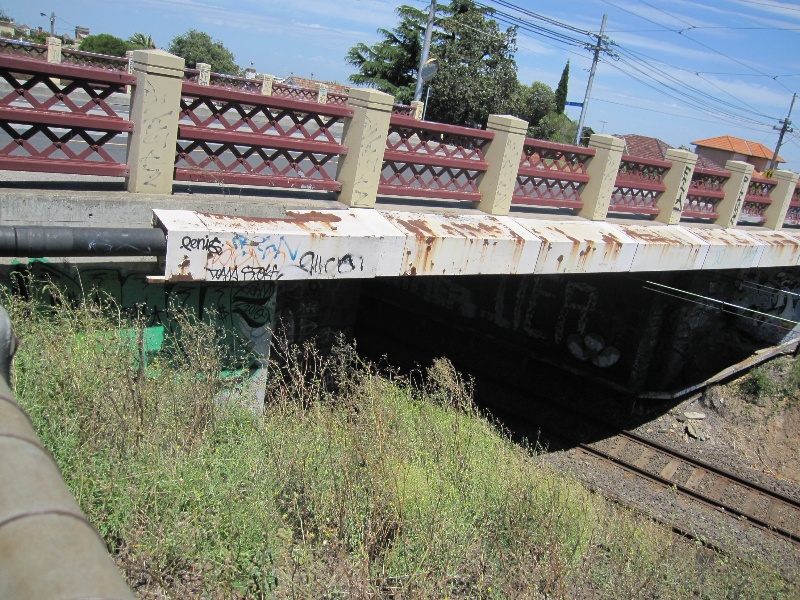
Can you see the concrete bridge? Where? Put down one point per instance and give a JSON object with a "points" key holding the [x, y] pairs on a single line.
{"points": [[291, 197]]}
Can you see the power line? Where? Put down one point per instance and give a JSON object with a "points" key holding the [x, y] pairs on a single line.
{"points": [[636, 57], [678, 96], [699, 103], [662, 112], [667, 30], [532, 27], [778, 6], [699, 43]]}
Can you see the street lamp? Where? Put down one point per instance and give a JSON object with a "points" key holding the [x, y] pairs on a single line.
{"points": [[52, 23]]}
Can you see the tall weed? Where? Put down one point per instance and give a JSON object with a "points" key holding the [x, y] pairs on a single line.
{"points": [[351, 483]]}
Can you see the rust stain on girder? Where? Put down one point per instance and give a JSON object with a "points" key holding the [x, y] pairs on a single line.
{"points": [[300, 219]]}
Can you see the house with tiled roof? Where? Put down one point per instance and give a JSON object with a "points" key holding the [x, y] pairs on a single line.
{"points": [[643, 146], [727, 147]]}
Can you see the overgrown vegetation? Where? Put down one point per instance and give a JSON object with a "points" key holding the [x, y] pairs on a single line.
{"points": [[774, 380], [351, 484]]}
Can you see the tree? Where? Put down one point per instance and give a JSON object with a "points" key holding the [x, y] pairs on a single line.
{"points": [[198, 47], [533, 103], [391, 64], [556, 127], [561, 90], [141, 41], [104, 43], [477, 72]]}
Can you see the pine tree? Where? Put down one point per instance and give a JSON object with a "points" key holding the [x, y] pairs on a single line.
{"points": [[561, 90]]}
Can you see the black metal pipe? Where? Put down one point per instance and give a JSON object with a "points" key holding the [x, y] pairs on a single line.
{"points": [[37, 242]]}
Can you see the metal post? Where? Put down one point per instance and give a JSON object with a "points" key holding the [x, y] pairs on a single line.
{"points": [[53, 24], [426, 46], [597, 49]]}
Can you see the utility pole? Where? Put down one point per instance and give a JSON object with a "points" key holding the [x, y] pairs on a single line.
{"points": [[783, 129], [598, 47], [52, 23], [426, 46]]}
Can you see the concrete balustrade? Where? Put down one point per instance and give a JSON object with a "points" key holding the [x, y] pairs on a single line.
{"points": [[359, 171], [677, 181], [155, 108], [266, 83], [735, 190], [602, 169], [53, 50], [781, 198], [419, 108], [503, 155], [204, 73]]}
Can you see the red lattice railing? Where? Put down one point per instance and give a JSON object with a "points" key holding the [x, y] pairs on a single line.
{"points": [[757, 199], [337, 99], [705, 194], [23, 49], [403, 109], [89, 59], [229, 136], [282, 90], [639, 183], [58, 118], [229, 82], [552, 174], [793, 214], [433, 160]]}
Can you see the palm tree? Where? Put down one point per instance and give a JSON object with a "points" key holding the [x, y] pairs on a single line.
{"points": [[141, 41]]}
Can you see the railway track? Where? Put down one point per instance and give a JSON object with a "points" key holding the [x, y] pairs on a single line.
{"points": [[691, 478], [702, 482]]}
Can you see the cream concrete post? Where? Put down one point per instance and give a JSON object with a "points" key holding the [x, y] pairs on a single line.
{"points": [[322, 94], [364, 134], [781, 197], [677, 181], [53, 50], [735, 190], [602, 169], [503, 156], [419, 107], [266, 84], [155, 109], [129, 56], [204, 77]]}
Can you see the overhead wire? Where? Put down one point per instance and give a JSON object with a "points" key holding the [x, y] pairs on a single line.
{"points": [[699, 43], [677, 95], [778, 6], [635, 57], [662, 112]]}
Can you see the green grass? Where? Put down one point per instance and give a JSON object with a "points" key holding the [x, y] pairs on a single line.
{"points": [[352, 484]]}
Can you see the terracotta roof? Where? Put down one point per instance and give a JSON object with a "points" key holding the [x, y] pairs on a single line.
{"points": [[707, 163], [738, 145], [313, 84], [644, 147]]}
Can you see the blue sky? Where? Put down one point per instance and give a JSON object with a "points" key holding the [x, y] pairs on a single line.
{"points": [[740, 58]]}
